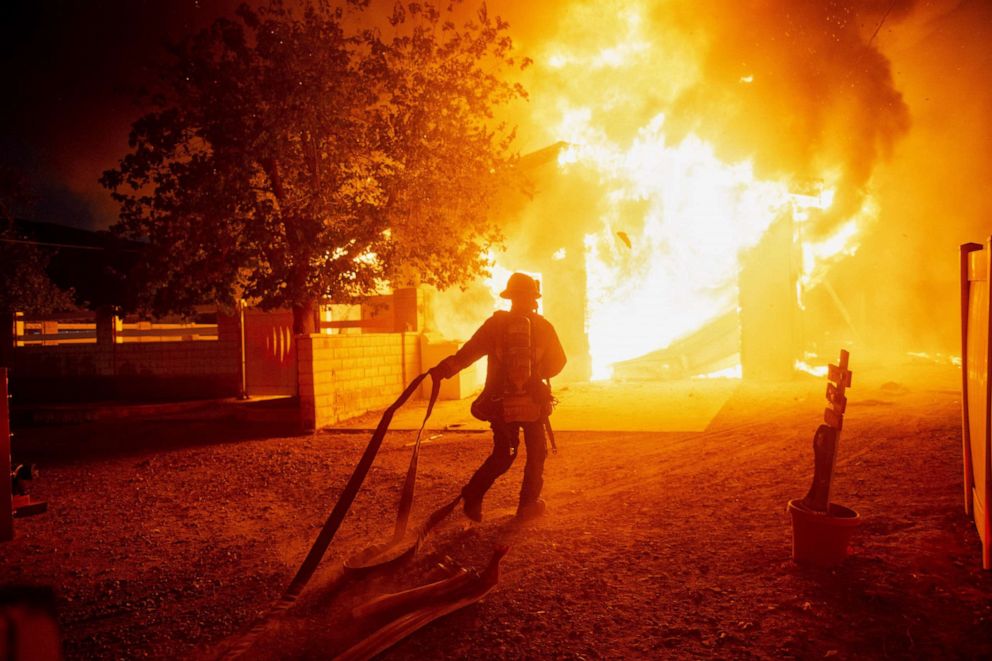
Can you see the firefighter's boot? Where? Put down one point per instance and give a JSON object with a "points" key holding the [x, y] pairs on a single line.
{"points": [[472, 508], [533, 510]]}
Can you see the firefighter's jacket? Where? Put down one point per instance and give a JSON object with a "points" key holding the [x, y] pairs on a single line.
{"points": [[548, 357]]}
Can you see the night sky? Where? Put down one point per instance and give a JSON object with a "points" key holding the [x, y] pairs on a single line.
{"points": [[70, 71]]}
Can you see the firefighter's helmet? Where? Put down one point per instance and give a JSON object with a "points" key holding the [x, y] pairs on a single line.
{"points": [[521, 285]]}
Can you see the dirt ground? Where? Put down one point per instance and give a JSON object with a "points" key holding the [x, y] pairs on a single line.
{"points": [[168, 539]]}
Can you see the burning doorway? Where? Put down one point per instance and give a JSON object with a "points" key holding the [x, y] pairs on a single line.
{"points": [[669, 278]]}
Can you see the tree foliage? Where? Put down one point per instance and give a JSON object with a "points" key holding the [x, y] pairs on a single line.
{"points": [[26, 284], [297, 154]]}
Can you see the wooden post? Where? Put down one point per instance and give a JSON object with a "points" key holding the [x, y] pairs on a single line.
{"points": [[838, 381], [6, 502], [840, 376], [242, 356]]}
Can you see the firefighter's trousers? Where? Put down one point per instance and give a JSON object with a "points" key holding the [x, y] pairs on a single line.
{"points": [[506, 441]]}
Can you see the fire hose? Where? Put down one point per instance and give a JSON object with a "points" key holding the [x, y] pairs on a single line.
{"points": [[393, 552]]}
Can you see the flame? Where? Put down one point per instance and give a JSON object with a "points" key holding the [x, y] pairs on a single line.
{"points": [[815, 370], [678, 266], [819, 255], [673, 217], [938, 358]]}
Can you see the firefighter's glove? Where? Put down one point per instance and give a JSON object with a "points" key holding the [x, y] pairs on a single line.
{"points": [[443, 370]]}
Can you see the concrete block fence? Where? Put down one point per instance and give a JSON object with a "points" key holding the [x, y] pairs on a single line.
{"points": [[342, 376]]}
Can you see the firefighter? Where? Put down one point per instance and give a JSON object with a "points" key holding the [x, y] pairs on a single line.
{"points": [[523, 354]]}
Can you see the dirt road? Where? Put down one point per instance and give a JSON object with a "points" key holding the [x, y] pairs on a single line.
{"points": [[655, 544]]}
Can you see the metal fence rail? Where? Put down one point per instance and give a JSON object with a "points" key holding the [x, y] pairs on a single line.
{"points": [[55, 331]]}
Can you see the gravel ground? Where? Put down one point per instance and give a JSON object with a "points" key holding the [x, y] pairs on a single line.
{"points": [[170, 538]]}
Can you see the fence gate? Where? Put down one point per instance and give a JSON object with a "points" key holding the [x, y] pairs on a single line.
{"points": [[270, 353]]}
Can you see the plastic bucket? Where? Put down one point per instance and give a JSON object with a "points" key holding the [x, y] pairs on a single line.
{"points": [[818, 539]]}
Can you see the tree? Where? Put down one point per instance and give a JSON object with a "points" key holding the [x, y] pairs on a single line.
{"points": [[26, 285], [301, 154]]}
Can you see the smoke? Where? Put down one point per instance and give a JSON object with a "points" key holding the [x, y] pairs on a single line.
{"points": [[932, 194], [798, 87]]}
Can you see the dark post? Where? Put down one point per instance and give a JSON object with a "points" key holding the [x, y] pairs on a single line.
{"points": [[8, 338], [242, 370], [6, 502], [109, 327]]}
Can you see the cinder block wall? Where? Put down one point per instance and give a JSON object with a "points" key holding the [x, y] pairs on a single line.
{"points": [[342, 376]]}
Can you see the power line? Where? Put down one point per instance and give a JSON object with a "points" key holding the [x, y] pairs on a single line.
{"points": [[73, 246], [879, 26]]}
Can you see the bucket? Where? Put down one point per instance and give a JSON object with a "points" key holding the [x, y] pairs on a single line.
{"points": [[819, 539]]}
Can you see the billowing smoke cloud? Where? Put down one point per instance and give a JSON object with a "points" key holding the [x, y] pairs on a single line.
{"points": [[799, 87], [902, 287]]}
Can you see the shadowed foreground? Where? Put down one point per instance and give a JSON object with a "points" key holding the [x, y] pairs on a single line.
{"points": [[655, 544]]}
